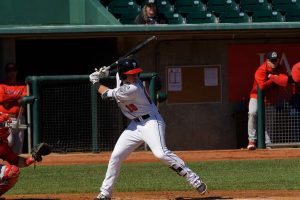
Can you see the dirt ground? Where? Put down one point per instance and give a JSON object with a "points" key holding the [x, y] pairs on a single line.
{"points": [[188, 156]]}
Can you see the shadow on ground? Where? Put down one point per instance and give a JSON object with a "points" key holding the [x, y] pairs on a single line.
{"points": [[35, 199], [204, 198]]}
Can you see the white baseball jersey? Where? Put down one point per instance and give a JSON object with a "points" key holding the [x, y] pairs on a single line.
{"points": [[133, 99], [146, 126]]}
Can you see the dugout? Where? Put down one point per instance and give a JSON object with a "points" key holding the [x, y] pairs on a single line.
{"points": [[220, 57]]}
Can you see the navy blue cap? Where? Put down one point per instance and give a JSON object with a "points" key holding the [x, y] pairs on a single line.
{"points": [[272, 55]]}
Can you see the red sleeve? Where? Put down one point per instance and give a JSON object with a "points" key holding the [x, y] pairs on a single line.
{"points": [[261, 78], [12, 93], [8, 155], [1, 93], [280, 79]]}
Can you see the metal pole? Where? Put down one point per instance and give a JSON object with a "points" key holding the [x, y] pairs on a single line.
{"points": [[94, 113], [152, 90], [36, 111], [29, 143], [261, 140]]}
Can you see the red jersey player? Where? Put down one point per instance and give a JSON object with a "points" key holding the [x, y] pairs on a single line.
{"points": [[11, 93], [272, 78], [9, 173]]}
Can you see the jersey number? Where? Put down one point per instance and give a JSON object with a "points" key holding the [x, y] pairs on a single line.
{"points": [[131, 107]]}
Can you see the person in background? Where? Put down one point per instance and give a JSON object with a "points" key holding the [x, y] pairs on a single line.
{"points": [[294, 82], [11, 93], [150, 14], [295, 74], [272, 78]]}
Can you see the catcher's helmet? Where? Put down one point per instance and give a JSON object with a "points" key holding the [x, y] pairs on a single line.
{"points": [[128, 66]]}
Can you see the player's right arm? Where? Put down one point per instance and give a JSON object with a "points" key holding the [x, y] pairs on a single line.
{"points": [[102, 89], [11, 93], [261, 78]]}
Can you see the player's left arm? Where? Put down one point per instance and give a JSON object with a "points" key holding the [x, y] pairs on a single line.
{"points": [[14, 159], [280, 77], [14, 93]]}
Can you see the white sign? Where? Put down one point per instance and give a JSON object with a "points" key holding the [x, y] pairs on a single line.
{"points": [[174, 79], [211, 77]]}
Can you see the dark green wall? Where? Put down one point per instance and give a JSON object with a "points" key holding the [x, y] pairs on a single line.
{"points": [[53, 12]]}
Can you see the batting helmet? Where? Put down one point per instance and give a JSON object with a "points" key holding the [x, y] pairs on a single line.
{"points": [[128, 66]]}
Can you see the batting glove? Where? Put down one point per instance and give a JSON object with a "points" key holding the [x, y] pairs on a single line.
{"points": [[104, 72], [95, 77]]}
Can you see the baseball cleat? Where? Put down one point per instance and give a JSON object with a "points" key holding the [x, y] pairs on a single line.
{"points": [[251, 145], [102, 197], [197, 183], [202, 188]]}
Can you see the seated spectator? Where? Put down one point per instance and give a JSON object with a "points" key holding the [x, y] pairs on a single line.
{"points": [[272, 78], [150, 14]]}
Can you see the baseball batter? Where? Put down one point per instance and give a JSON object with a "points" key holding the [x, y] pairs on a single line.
{"points": [[146, 126]]}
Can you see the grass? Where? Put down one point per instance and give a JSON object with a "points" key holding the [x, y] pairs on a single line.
{"points": [[219, 175]]}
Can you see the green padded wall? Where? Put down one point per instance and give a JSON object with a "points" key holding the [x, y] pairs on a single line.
{"points": [[54, 12]]}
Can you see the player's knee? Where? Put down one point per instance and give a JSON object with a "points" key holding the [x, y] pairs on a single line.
{"points": [[9, 177], [160, 155], [116, 158], [10, 172]]}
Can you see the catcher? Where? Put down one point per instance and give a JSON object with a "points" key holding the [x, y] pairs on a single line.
{"points": [[9, 172]]}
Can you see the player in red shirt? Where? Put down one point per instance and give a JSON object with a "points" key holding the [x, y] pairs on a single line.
{"points": [[9, 173], [11, 93], [272, 78], [295, 73]]}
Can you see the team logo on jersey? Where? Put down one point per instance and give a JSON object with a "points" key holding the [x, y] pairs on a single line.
{"points": [[124, 88]]}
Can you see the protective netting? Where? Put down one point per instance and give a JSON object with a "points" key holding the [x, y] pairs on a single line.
{"points": [[66, 120], [282, 122]]}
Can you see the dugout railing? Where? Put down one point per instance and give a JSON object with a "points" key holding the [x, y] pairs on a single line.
{"points": [[281, 121], [69, 114]]}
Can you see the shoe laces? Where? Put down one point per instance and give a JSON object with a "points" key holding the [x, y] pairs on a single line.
{"points": [[194, 179], [102, 196]]}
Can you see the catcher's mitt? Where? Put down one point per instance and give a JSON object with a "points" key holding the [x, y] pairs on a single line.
{"points": [[40, 150]]}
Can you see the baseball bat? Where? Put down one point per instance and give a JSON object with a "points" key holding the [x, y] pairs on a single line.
{"points": [[132, 51]]}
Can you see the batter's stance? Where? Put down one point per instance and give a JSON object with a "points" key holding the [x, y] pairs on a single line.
{"points": [[146, 126]]}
